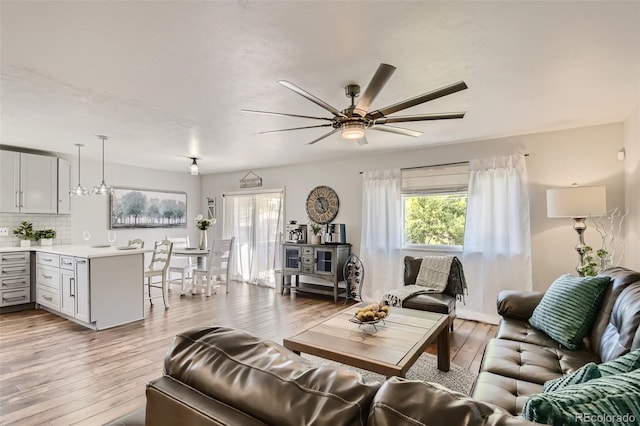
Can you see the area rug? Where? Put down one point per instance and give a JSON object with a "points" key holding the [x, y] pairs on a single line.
{"points": [[425, 368]]}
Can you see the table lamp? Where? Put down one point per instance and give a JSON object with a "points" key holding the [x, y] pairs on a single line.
{"points": [[577, 203]]}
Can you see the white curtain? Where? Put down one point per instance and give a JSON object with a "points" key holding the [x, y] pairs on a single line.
{"points": [[381, 245], [497, 240], [255, 219]]}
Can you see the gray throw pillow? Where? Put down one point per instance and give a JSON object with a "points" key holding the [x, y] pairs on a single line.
{"points": [[569, 307]]}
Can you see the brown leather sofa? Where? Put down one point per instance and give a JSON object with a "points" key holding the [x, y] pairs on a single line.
{"points": [[222, 376], [518, 361]]}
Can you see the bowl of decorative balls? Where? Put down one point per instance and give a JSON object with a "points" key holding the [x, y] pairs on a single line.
{"points": [[371, 314]]}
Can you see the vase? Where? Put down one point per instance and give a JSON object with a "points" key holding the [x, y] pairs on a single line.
{"points": [[25, 243], [46, 241], [315, 239], [203, 239]]}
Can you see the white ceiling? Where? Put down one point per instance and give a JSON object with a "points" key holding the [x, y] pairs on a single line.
{"points": [[167, 80]]}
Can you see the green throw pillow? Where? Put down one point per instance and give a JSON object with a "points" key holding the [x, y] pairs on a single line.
{"points": [[605, 401], [581, 375], [569, 308], [623, 364]]}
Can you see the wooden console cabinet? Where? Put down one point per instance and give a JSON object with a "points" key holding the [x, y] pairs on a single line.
{"points": [[317, 260]]}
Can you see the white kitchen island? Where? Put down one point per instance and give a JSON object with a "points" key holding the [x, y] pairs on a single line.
{"points": [[98, 288]]}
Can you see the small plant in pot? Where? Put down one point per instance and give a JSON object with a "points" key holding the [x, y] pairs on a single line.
{"points": [[25, 233], [316, 230], [46, 236]]}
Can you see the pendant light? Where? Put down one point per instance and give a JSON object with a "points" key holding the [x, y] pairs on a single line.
{"points": [[194, 169], [78, 191], [103, 188]]}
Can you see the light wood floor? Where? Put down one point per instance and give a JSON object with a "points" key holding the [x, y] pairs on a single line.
{"points": [[54, 372]]}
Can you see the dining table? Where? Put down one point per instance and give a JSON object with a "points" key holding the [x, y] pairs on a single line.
{"points": [[198, 253]]}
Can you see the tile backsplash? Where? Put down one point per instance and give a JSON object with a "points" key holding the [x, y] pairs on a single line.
{"points": [[61, 223]]}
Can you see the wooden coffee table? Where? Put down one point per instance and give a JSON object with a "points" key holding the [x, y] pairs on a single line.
{"points": [[390, 348]]}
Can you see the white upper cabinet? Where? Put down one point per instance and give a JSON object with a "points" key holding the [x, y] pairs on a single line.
{"points": [[36, 188], [9, 181], [64, 183]]}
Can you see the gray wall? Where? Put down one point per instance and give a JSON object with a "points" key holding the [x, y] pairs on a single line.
{"points": [[587, 156]]}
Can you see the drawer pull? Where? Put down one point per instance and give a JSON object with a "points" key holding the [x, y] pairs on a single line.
{"points": [[49, 298], [47, 259], [13, 299], [14, 283], [14, 270], [47, 277], [67, 263]]}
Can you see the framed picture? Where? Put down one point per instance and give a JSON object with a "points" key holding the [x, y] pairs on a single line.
{"points": [[142, 208]]}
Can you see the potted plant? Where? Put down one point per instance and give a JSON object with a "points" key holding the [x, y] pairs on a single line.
{"points": [[316, 230], [45, 236], [24, 232]]}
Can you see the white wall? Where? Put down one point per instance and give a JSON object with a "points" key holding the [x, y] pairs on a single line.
{"points": [[632, 188], [92, 213], [586, 156]]}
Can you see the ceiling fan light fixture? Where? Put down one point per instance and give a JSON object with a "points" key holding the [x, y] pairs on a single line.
{"points": [[194, 169], [353, 130], [103, 188]]}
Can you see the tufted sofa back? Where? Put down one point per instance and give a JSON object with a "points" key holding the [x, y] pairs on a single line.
{"points": [[615, 330]]}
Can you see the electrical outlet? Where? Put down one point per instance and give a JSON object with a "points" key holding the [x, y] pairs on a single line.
{"points": [[4, 231]]}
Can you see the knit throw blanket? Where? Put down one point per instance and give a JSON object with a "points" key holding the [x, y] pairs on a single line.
{"points": [[396, 296], [436, 273]]}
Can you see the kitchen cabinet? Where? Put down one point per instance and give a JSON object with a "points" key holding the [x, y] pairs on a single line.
{"points": [[74, 288], [28, 183], [48, 280], [15, 284], [317, 260], [64, 184]]}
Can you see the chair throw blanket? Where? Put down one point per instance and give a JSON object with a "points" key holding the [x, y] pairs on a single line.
{"points": [[437, 274], [396, 296], [434, 273]]}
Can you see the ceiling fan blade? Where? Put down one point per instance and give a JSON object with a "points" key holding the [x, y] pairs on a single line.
{"points": [[398, 130], [362, 141], [379, 79], [326, 135], [295, 128], [438, 93], [422, 117], [285, 114], [312, 98]]}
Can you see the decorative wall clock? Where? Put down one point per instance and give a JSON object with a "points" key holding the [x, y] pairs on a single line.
{"points": [[322, 204]]}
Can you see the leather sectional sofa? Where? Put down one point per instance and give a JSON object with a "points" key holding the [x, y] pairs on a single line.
{"points": [[222, 376], [520, 359]]}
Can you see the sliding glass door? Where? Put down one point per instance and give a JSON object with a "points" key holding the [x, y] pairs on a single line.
{"points": [[255, 219]]}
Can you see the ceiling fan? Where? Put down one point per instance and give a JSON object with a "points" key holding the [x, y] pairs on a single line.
{"points": [[353, 120]]}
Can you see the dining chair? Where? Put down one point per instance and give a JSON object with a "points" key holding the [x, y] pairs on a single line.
{"points": [[159, 267], [137, 242], [180, 265], [218, 263]]}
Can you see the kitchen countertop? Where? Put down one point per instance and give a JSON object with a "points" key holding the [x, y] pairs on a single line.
{"points": [[78, 250]]}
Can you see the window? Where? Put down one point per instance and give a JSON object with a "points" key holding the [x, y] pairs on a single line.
{"points": [[434, 201]]}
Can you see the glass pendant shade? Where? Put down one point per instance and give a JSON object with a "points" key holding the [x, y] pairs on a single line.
{"points": [[103, 188], [194, 169], [79, 190], [352, 130]]}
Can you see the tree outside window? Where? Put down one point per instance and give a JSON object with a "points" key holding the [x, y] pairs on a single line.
{"points": [[435, 219]]}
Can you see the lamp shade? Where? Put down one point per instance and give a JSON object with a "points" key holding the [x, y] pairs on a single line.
{"points": [[576, 202]]}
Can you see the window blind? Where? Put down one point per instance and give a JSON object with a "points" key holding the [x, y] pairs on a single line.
{"points": [[436, 179]]}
